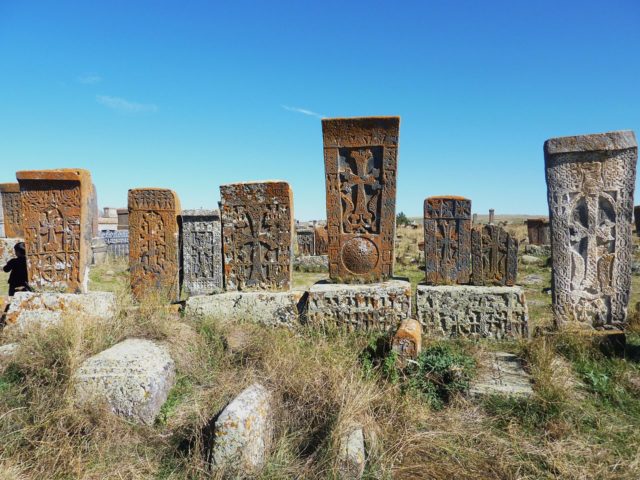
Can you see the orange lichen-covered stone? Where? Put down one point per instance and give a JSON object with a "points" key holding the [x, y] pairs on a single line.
{"points": [[407, 342], [12, 208], [153, 241], [360, 158], [57, 228]]}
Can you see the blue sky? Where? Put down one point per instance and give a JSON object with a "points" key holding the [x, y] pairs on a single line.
{"points": [[191, 95]]}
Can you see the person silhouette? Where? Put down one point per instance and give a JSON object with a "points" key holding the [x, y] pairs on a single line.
{"points": [[18, 279]]}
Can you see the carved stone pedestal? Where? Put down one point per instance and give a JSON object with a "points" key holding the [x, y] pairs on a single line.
{"points": [[375, 306], [473, 312]]}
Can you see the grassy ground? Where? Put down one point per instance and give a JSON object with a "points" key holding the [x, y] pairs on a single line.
{"points": [[583, 421]]}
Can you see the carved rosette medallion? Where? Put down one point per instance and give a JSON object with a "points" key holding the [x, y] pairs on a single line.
{"points": [[361, 166]]}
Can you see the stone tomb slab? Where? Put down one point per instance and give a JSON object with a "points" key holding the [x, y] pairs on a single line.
{"points": [[361, 163], [502, 374], [11, 209], [268, 308], [494, 256], [448, 311], [447, 240], [376, 306], [153, 241], [257, 235], [201, 252], [57, 226], [590, 184], [133, 378]]}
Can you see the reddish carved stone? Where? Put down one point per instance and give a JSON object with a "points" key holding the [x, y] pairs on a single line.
{"points": [[494, 256], [153, 241], [57, 228], [257, 235], [539, 231], [360, 157], [322, 240], [10, 195], [447, 240]]}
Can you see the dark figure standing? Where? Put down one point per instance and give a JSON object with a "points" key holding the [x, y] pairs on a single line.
{"points": [[18, 280]]}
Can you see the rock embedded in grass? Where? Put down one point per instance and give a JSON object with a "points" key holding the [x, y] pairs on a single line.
{"points": [[503, 375], [351, 454], [7, 352], [133, 378], [243, 432], [530, 260]]}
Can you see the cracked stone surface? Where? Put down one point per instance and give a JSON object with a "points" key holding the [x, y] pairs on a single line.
{"points": [[502, 375]]}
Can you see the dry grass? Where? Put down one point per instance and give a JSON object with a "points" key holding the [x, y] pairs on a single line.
{"points": [[583, 421]]}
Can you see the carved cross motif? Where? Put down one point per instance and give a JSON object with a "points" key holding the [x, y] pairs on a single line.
{"points": [[51, 226], [258, 239], [152, 241], [360, 217]]}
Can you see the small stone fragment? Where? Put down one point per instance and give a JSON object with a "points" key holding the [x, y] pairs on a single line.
{"points": [[352, 454], [407, 342], [133, 377], [243, 432]]}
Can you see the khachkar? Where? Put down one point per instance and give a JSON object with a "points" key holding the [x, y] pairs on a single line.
{"points": [[538, 231], [201, 252], [11, 209], [360, 157], [257, 235], [590, 182], [57, 228], [153, 241], [447, 240], [494, 256], [306, 242], [321, 239]]}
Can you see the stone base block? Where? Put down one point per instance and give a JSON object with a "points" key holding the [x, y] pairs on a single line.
{"points": [[375, 306], [269, 308], [502, 374], [133, 377], [6, 249], [45, 309], [474, 312]]}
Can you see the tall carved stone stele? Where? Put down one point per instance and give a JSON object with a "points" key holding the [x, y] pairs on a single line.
{"points": [[538, 231], [447, 240], [306, 242], [153, 241], [494, 256], [321, 240], [57, 228], [360, 158], [590, 182], [257, 235], [201, 252], [12, 210]]}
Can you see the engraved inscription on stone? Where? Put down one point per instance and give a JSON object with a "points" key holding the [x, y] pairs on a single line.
{"points": [[538, 231], [12, 210], [57, 228], [590, 183], [494, 256], [447, 240], [153, 241], [360, 157], [257, 235], [201, 252], [306, 242]]}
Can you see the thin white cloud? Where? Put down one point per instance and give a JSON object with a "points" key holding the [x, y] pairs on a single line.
{"points": [[122, 105], [304, 111], [89, 79]]}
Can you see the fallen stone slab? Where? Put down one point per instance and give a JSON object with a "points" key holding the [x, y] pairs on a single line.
{"points": [[352, 454], [502, 375], [269, 308], [472, 311], [29, 309], [374, 306], [243, 432], [133, 377]]}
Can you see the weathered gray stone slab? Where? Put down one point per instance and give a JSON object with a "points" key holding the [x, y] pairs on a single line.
{"points": [[133, 377], [28, 309], [375, 306], [502, 374], [6, 249], [201, 252], [117, 243], [312, 263], [471, 311], [98, 251], [352, 454], [590, 184], [269, 308], [244, 431]]}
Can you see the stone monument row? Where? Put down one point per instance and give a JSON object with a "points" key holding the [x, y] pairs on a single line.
{"points": [[590, 184]]}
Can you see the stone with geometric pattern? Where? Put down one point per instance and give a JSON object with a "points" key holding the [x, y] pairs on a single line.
{"points": [[201, 252], [257, 235], [360, 156], [153, 242], [590, 184], [57, 228]]}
